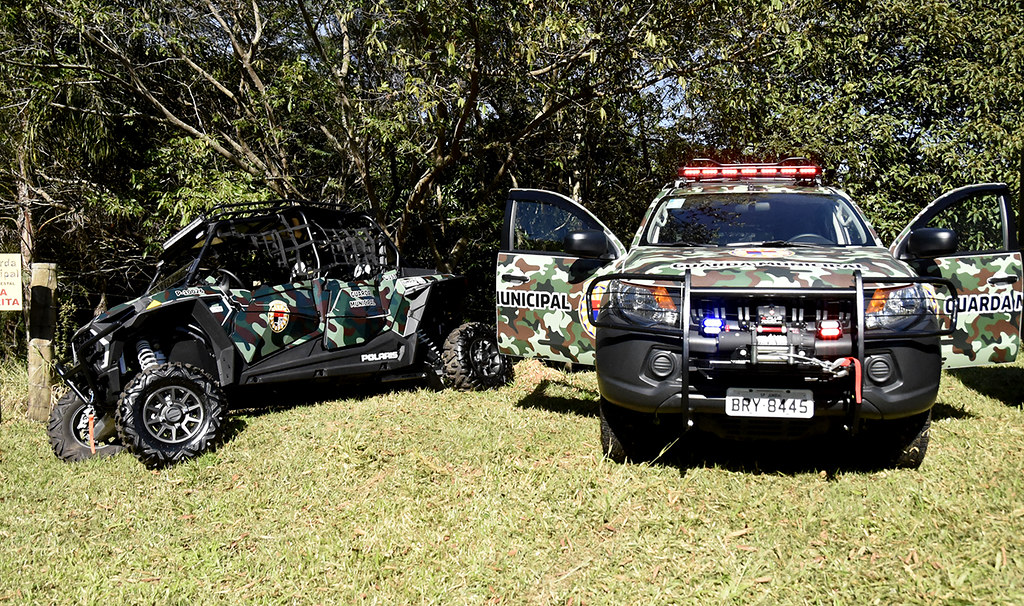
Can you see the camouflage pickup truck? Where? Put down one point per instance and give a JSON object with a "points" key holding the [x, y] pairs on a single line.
{"points": [[756, 303], [255, 295]]}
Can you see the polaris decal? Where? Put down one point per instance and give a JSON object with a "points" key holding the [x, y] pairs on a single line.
{"points": [[1008, 303], [527, 299], [379, 357]]}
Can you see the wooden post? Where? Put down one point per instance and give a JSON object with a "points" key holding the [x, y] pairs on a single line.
{"points": [[41, 328]]}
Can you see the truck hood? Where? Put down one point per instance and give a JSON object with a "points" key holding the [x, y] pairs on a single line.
{"points": [[759, 267]]}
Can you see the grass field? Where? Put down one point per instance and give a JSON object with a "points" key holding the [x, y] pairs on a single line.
{"points": [[416, 497]]}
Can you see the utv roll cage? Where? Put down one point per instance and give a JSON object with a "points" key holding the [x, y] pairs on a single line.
{"points": [[293, 240]]}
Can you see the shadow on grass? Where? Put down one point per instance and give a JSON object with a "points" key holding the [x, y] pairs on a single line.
{"points": [[827, 456], [941, 410], [1002, 383], [537, 399]]}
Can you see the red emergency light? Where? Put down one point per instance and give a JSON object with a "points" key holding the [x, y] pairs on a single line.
{"points": [[791, 168]]}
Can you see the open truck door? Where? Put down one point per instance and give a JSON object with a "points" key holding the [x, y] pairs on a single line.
{"points": [[983, 262], [551, 247]]}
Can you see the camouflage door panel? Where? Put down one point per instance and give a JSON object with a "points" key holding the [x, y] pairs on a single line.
{"points": [[354, 314], [545, 315], [989, 307], [396, 296], [277, 317]]}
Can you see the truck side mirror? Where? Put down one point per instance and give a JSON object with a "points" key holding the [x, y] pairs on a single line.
{"points": [[931, 242], [591, 243]]}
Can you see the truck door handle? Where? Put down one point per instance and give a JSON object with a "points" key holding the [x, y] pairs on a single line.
{"points": [[1003, 280], [516, 279]]}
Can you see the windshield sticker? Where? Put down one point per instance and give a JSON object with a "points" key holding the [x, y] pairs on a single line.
{"points": [[534, 300], [762, 253], [279, 316]]}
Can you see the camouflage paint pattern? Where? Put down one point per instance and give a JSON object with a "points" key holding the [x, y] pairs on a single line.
{"points": [[541, 316], [768, 268], [988, 315], [354, 314], [394, 296], [253, 332]]}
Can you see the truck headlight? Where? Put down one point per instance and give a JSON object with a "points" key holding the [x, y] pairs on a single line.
{"points": [[645, 304], [901, 307]]}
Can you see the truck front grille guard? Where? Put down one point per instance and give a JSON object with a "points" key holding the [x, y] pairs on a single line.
{"points": [[602, 294]]}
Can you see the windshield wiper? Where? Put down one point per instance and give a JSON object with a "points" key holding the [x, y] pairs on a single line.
{"points": [[779, 243]]}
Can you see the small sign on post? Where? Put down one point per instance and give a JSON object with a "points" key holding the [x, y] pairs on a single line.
{"points": [[10, 282]]}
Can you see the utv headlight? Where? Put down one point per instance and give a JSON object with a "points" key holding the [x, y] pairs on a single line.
{"points": [[901, 307], [646, 304]]}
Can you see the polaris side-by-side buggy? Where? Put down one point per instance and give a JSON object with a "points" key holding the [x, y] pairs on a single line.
{"points": [[258, 294]]}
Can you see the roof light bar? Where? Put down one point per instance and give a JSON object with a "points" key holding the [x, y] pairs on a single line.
{"points": [[791, 168]]}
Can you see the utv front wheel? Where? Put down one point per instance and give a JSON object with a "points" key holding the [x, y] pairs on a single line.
{"points": [[170, 413], [470, 359], [69, 430]]}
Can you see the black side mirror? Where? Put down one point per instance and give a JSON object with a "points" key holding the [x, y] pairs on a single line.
{"points": [[931, 242], [590, 243]]}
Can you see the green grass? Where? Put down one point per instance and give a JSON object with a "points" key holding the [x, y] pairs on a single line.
{"points": [[416, 497]]}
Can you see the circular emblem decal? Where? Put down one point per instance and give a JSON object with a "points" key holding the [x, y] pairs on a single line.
{"points": [[586, 307], [279, 315], [762, 253]]}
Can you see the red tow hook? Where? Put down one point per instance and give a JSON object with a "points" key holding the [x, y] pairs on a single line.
{"points": [[856, 375], [92, 432]]}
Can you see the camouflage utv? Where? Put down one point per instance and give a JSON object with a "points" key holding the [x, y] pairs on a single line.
{"points": [[255, 295], [757, 304]]}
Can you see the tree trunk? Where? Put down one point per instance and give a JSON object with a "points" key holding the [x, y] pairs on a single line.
{"points": [[23, 201]]}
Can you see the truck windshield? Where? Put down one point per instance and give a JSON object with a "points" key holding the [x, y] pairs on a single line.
{"points": [[748, 219]]}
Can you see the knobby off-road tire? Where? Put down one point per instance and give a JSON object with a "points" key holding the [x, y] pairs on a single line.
{"points": [[170, 413], [470, 359], [630, 435], [900, 443], [69, 430]]}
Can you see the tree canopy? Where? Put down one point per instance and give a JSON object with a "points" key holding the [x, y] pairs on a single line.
{"points": [[124, 120]]}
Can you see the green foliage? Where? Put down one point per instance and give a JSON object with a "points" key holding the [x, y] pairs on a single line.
{"points": [[424, 113]]}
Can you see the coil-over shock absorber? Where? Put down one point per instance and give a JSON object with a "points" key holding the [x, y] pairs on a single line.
{"points": [[148, 357]]}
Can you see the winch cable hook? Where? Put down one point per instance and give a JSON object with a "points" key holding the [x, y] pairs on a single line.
{"points": [[857, 386]]}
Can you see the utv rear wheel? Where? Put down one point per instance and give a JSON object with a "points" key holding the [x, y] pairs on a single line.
{"points": [[629, 435], [170, 413], [69, 430], [470, 359]]}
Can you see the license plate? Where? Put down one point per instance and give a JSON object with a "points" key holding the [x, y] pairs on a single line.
{"points": [[770, 403]]}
